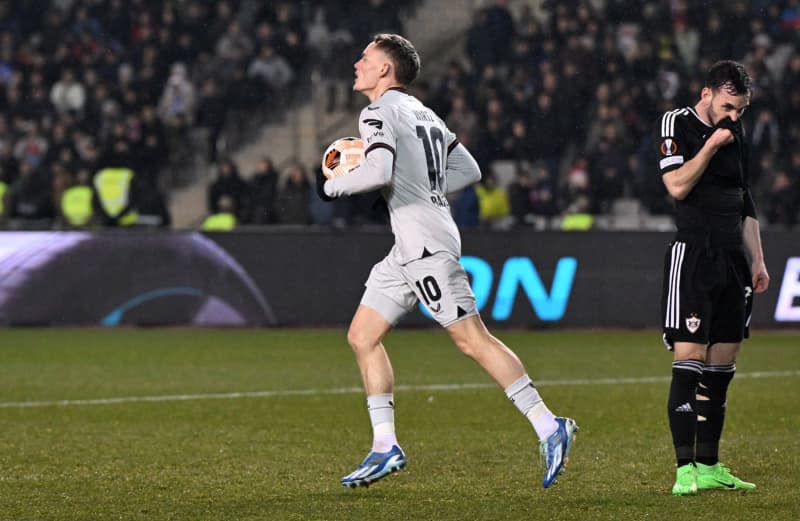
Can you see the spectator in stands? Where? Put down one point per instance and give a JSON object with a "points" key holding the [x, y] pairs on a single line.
{"points": [[577, 198], [500, 25], [520, 145], [784, 201], [454, 83], [377, 16], [4, 184], [234, 46], [608, 181], [224, 220], [687, 41], [765, 137], [176, 106], [294, 197], [212, 110], [152, 150], [466, 208], [532, 194], [333, 50], [608, 167], [462, 120], [31, 149], [76, 203], [230, 183], [294, 50], [150, 204], [29, 196], [263, 188], [272, 71], [115, 203], [519, 197], [547, 142], [479, 46], [493, 203], [322, 213], [68, 94], [715, 44]]}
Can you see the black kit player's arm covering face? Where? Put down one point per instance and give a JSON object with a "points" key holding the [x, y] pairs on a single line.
{"points": [[734, 126]]}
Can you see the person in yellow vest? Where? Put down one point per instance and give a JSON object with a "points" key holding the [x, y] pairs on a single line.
{"points": [[493, 202], [3, 192], [225, 219], [77, 203], [114, 206], [580, 222]]}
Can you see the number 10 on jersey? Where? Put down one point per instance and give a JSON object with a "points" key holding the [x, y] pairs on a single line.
{"points": [[433, 143]]}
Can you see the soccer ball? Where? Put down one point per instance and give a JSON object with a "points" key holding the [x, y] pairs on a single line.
{"points": [[341, 156]]}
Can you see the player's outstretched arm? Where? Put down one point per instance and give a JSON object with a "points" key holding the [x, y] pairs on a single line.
{"points": [[462, 169], [374, 172]]}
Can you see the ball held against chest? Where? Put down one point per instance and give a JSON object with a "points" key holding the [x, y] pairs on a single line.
{"points": [[341, 156]]}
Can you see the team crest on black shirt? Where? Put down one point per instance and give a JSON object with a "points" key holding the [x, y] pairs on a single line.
{"points": [[692, 323], [668, 147]]}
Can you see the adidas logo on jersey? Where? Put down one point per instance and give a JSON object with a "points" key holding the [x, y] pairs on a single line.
{"points": [[686, 407]]}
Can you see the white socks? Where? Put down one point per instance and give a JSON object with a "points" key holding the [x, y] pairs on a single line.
{"points": [[522, 393], [525, 396], [381, 414]]}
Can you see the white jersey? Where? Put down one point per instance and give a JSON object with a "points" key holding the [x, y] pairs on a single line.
{"points": [[416, 194]]}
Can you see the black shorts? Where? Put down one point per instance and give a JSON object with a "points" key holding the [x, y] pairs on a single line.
{"points": [[707, 296]]}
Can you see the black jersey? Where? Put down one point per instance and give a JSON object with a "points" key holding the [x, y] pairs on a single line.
{"points": [[718, 202]]}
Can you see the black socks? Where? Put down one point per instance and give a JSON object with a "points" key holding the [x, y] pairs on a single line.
{"points": [[682, 407]]}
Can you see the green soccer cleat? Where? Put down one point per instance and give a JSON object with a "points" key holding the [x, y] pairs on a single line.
{"points": [[718, 477], [685, 481]]}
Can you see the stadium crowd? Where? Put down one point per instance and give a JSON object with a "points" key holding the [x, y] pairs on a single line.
{"points": [[106, 104], [559, 105], [572, 99]]}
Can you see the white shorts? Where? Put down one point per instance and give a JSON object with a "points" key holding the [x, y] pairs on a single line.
{"points": [[438, 281]]}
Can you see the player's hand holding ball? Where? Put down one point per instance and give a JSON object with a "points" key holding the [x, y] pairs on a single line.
{"points": [[341, 156]]}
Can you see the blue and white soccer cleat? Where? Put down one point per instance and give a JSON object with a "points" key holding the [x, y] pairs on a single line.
{"points": [[375, 466], [555, 449]]}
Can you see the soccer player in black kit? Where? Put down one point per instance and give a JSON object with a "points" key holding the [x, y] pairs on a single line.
{"points": [[711, 269]]}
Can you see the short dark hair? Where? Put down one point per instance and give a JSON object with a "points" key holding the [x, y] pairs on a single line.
{"points": [[730, 76], [402, 53]]}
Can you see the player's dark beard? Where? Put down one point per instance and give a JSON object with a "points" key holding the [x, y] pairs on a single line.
{"points": [[710, 114]]}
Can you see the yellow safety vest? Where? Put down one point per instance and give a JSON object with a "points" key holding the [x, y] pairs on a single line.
{"points": [[492, 202], [3, 189], [76, 205], [113, 187], [577, 222], [219, 222]]}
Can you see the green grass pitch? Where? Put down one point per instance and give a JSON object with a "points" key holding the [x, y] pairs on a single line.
{"points": [[186, 424]]}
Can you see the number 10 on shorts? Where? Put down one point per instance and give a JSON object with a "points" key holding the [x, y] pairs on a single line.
{"points": [[429, 291]]}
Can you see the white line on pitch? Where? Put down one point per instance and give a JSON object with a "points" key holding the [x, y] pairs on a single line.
{"points": [[355, 390]]}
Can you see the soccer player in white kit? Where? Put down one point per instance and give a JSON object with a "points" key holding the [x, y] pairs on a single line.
{"points": [[415, 160]]}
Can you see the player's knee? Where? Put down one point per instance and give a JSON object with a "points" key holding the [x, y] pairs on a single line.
{"points": [[475, 346], [466, 346], [360, 341], [713, 386]]}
